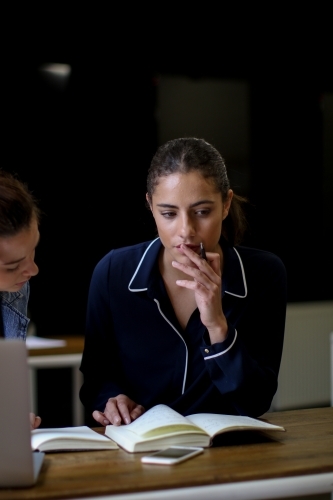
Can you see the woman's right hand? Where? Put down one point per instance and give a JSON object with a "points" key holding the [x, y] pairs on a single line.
{"points": [[119, 410]]}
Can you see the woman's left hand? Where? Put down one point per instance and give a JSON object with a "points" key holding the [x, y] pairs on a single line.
{"points": [[34, 421], [207, 288]]}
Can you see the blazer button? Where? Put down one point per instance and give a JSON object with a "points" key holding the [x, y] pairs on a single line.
{"points": [[207, 351]]}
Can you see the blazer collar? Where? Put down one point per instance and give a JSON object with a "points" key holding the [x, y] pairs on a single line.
{"points": [[233, 280]]}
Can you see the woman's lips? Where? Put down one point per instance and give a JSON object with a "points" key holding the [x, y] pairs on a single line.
{"points": [[22, 283], [195, 248]]}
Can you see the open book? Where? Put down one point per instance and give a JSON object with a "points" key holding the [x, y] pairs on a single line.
{"points": [[70, 439], [162, 426]]}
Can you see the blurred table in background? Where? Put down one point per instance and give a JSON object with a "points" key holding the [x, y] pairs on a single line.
{"points": [[58, 352]]}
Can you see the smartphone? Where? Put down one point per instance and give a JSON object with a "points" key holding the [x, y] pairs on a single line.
{"points": [[172, 455]]}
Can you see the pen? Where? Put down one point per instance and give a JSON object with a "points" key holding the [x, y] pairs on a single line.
{"points": [[202, 252]]}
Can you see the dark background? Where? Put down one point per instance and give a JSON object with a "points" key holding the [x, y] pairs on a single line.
{"points": [[84, 149]]}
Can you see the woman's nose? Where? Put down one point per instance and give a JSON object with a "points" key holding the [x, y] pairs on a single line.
{"points": [[31, 269], [187, 227]]}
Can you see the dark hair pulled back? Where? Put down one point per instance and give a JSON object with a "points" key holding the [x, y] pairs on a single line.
{"points": [[184, 155]]}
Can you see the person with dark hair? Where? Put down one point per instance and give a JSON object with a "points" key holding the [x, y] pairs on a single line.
{"points": [[19, 236], [191, 319]]}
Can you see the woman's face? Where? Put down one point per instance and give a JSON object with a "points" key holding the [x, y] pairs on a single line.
{"points": [[17, 258], [188, 210]]}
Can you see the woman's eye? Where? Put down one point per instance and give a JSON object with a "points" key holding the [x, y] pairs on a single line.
{"points": [[203, 213], [168, 215], [11, 269]]}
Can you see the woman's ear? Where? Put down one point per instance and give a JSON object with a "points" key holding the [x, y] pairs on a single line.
{"points": [[227, 203], [148, 202]]}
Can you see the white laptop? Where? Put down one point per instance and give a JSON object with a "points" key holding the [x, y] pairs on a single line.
{"points": [[19, 465]]}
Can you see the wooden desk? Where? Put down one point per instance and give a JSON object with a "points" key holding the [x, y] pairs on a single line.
{"points": [[298, 461], [59, 357]]}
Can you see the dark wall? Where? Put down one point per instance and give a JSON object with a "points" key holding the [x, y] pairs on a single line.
{"points": [[287, 182], [85, 150]]}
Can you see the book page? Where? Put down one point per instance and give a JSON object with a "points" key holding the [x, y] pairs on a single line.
{"points": [[216, 423], [80, 433], [157, 417]]}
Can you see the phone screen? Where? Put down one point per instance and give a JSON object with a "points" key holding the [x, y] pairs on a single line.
{"points": [[173, 453]]}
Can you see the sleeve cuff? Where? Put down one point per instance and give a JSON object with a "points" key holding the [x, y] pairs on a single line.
{"points": [[220, 348]]}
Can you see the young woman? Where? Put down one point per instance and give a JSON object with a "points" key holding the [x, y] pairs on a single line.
{"points": [[19, 236], [168, 325]]}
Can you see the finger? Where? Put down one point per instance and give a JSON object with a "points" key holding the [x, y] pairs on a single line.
{"points": [[215, 262], [137, 412], [124, 412], [111, 411], [37, 422], [193, 256], [100, 418], [210, 267], [34, 421], [207, 277], [212, 259], [205, 292]]}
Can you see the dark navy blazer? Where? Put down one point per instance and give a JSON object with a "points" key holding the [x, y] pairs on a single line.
{"points": [[134, 344]]}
